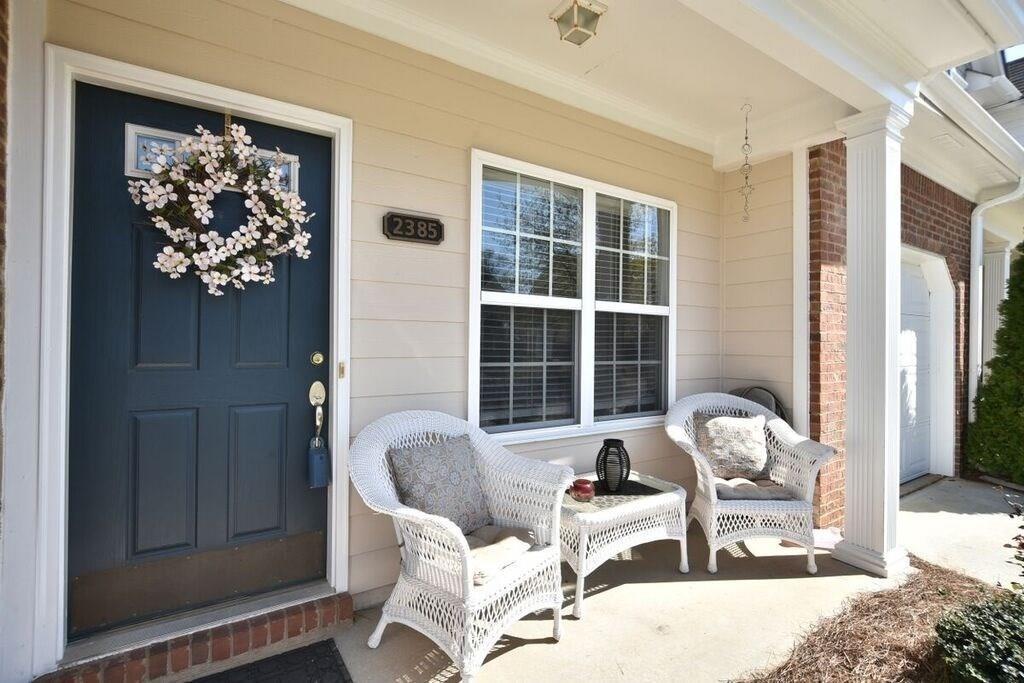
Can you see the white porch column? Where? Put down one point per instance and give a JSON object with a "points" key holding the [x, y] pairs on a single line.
{"points": [[996, 271], [873, 141]]}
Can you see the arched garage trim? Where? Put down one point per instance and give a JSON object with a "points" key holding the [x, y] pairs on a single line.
{"points": [[942, 309]]}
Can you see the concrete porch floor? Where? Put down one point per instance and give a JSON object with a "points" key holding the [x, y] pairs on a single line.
{"points": [[646, 622], [962, 525]]}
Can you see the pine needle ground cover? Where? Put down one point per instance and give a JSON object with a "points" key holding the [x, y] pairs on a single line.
{"points": [[887, 636]]}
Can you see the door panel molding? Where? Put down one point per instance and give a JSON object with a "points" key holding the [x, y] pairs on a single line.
{"points": [[157, 337], [170, 438], [258, 442], [64, 67]]}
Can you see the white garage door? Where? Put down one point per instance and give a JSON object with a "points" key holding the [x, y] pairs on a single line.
{"points": [[914, 369]]}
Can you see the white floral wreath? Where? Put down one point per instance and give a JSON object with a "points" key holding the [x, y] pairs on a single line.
{"points": [[185, 181]]}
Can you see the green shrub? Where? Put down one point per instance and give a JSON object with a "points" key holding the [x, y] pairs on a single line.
{"points": [[984, 642], [995, 441]]}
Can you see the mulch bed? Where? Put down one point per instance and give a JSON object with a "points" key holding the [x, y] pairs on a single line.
{"points": [[883, 636]]}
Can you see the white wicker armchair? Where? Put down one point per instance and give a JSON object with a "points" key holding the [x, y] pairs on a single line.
{"points": [[435, 593], [793, 462]]}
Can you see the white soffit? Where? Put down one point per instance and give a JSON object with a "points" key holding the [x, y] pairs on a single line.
{"points": [[938, 148], [653, 65]]}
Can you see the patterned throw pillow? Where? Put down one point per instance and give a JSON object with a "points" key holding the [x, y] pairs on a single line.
{"points": [[735, 446], [442, 479]]}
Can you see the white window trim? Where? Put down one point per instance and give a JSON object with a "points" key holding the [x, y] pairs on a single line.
{"points": [[587, 304]]}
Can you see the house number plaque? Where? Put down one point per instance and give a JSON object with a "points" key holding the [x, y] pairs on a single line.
{"points": [[409, 228]]}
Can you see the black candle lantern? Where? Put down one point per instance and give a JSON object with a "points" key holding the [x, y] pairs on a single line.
{"points": [[613, 464]]}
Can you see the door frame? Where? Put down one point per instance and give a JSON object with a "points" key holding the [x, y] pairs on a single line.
{"points": [[942, 354], [64, 68]]}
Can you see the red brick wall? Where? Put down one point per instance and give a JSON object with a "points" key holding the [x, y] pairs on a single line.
{"points": [[934, 219], [207, 647], [826, 173]]}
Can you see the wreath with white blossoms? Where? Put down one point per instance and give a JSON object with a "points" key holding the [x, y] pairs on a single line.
{"points": [[178, 197]]}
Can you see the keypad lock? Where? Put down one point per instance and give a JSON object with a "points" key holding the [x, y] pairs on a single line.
{"points": [[319, 467]]}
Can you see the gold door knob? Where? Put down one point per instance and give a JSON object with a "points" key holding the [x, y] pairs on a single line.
{"points": [[316, 358]]}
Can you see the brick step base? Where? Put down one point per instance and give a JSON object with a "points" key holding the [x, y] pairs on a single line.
{"points": [[207, 651]]}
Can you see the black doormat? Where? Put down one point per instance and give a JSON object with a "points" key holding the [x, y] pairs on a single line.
{"points": [[317, 663]]}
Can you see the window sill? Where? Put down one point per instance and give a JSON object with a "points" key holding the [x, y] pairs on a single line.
{"points": [[570, 431]]}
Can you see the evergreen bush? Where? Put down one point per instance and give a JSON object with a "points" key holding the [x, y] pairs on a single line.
{"points": [[982, 642], [995, 441]]}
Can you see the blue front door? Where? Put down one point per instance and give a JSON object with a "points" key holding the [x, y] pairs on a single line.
{"points": [[189, 414]]}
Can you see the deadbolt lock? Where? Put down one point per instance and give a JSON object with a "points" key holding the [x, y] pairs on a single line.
{"points": [[316, 358]]}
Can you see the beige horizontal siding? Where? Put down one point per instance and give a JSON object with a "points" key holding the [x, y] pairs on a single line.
{"points": [[757, 281], [416, 119]]}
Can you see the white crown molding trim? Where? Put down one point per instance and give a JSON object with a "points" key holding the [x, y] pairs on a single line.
{"points": [[806, 124], [889, 118], [421, 32]]}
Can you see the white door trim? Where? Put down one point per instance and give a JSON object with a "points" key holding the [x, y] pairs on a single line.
{"points": [[942, 310], [64, 67], [801, 293]]}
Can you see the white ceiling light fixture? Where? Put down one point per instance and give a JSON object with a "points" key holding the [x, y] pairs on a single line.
{"points": [[577, 19]]}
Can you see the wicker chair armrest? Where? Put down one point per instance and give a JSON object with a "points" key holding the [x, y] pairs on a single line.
{"points": [[434, 550], [701, 463], [523, 492], [794, 460]]}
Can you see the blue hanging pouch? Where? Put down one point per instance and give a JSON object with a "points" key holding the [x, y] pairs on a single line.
{"points": [[319, 472]]}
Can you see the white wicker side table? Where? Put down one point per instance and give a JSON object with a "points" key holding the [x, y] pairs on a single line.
{"points": [[594, 532]]}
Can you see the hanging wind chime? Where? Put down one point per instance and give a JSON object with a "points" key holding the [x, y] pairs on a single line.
{"points": [[745, 169]]}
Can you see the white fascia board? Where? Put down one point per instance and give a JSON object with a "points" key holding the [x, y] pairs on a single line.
{"points": [[423, 33], [965, 111]]}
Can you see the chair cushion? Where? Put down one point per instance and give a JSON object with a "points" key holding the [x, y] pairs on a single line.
{"points": [[744, 489], [735, 446], [492, 548], [442, 479]]}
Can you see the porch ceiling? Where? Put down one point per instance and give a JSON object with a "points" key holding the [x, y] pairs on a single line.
{"points": [[655, 65], [681, 69]]}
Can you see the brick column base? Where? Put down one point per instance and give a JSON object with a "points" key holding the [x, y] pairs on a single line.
{"points": [[211, 650]]}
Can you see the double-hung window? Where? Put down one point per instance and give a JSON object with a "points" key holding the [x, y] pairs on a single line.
{"points": [[572, 316]]}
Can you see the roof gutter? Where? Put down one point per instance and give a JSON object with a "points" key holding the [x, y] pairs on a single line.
{"points": [[977, 255]]}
